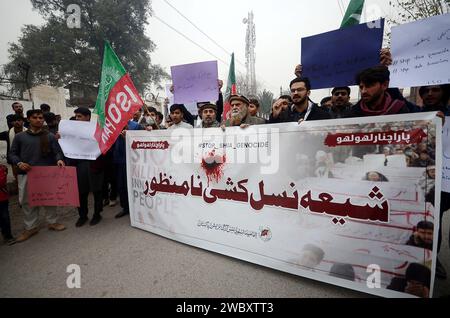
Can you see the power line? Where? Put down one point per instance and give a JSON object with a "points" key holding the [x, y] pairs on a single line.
{"points": [[198, 45], [200, 30], [190, 40]]}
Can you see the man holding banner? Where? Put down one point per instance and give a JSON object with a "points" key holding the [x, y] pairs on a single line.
{"points": [[240, 114], [376, 100]]}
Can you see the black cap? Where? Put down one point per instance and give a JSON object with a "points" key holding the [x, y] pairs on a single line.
{"points": [[208, 106], [241, 98]]}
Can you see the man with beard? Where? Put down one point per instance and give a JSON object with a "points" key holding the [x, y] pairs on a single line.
{"points": [[240, 115], [18, 110], [376, 100], [52, 123], [208, 112], [435, 99], [422, 236], [340, 101], [303, 109]]}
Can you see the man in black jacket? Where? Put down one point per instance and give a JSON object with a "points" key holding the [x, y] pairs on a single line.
{"points": [[340, 101], [90, 175], [435, 99], [303, 109], [376, 99]]}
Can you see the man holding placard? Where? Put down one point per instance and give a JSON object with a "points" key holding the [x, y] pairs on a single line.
{"points": [[35, 147]]}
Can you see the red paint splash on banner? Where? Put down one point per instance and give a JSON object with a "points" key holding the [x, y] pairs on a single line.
{"points": [[213, 166]]}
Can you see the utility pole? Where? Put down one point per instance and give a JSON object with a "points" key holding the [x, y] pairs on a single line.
{"points": [[250, 44]]}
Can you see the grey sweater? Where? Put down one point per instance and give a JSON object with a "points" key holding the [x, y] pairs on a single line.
{"points": [[26, 148]]}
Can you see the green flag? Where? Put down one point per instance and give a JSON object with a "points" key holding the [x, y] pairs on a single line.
{"points": [[117, 101], [112, 72], [353, 13]]}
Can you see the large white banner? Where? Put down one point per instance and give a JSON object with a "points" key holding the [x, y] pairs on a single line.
{"points": [[328, 200]]}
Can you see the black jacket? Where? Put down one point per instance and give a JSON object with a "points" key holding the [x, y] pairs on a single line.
{"points": [[395, 93], [291, 115]]}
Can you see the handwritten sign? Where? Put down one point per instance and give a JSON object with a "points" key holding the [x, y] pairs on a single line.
{"points": [[334, 58], [421, 52], [195, 82], [53, 186], [77, 139], [446, 155]]}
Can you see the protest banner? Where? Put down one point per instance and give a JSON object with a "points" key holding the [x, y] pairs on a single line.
{"points": [[53, 186], [196, 82], [77, 139], [421, 52], [446, 156], [334, 58], [295, 197]]}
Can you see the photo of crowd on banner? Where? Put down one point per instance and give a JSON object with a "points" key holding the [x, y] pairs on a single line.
{"points": [[404, 171]]}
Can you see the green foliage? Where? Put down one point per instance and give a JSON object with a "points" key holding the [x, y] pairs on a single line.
{"points": [[266, 101], [412, 10], [59, 55]]}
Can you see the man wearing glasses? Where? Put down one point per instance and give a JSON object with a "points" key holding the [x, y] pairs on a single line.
{"points": [[302, 109]]}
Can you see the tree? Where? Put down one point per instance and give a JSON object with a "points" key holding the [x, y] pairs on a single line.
{"points": [[242, 85], [266, 101], [413, 10], [59, 55]]}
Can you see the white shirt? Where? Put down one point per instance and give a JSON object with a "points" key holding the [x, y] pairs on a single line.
{"points": [[182, 124]]}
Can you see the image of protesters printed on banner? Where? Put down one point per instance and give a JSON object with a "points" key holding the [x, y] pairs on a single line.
{"points": [[354, 172], [311, 256], [415, 282], [344, 271], [375, 176], [422, 235]]}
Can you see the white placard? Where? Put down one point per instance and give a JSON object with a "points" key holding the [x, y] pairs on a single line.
{"points": [[421, 53], [77, 139]]}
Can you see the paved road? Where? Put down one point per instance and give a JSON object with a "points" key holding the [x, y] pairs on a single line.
{"points": [[119, 261]]}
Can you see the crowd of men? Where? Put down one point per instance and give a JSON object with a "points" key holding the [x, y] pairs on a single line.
{"points": [[32, 139]]}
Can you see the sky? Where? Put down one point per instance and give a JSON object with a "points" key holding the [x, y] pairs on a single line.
{"points": [[280, 25]]}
